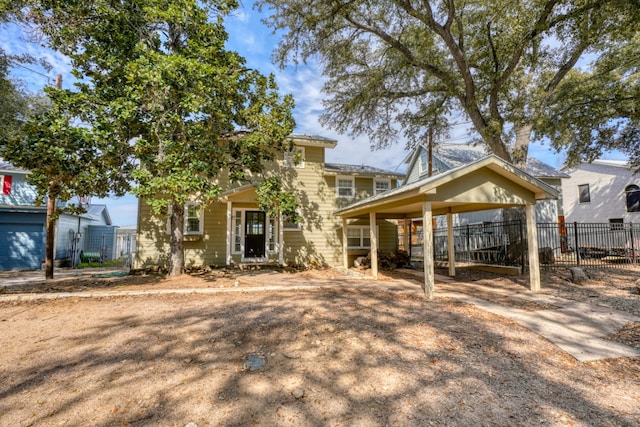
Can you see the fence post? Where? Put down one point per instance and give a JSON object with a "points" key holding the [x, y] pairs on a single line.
{"points": [[575, 235], [468, 248], [523, 263], [633, 249]]}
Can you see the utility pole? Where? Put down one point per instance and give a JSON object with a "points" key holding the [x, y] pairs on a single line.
{"points": [[430, 154], [51, 216]]}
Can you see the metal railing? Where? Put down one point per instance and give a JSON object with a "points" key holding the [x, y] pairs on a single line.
{"points": [[589, 244], [496, 243], [599, 245]]}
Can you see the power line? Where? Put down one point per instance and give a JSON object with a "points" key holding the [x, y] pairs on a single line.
{"points": [[17, 64]]}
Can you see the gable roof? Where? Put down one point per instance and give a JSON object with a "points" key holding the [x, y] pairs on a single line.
{"points": [[408, 198], [455, 155], [306, 140], [623, 164], [345, 169], [95, 212]]}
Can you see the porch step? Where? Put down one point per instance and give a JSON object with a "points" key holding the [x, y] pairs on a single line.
{"points": [[256, 266]]}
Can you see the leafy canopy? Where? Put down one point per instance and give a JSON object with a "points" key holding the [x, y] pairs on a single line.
{"points": [[64, 159], [407, 65], [160, 85], [159, 88]]}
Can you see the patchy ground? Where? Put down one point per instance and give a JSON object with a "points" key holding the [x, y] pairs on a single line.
{"points": [[349, 353]]}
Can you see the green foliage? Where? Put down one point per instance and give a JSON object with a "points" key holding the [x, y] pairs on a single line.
{"points": [[12, 101], [64, 159], [274, 200], [581, 119], [159, 86], [401, 66]]}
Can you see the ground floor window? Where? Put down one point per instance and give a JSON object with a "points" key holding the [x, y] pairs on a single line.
{"points": [[358, 237]]}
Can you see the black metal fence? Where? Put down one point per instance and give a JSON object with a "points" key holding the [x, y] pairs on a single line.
{"points": [[589, 244], [598, 245]]}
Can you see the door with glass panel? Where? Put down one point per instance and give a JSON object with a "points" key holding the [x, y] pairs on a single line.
{"points": [[254, 234]]}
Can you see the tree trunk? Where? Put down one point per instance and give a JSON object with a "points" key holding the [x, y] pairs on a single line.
{"points": [[176, 261], [51, 230], [517, 248], [521, 148]]}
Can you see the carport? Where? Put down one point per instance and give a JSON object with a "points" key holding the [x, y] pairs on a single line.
{"points": [[489, 183]]}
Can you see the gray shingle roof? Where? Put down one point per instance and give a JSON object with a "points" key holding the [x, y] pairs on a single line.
{"points": [[455, 155], [359, 169], [431, 179], [4, 165], [311, 137]]}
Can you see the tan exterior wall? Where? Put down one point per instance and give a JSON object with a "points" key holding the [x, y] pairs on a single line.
{"points": [[319, 240]]}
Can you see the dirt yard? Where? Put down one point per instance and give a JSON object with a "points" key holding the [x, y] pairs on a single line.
{"points": [[352, 353]]}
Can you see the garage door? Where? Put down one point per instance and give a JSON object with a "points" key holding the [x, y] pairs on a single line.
{"points": [[22, 241]]}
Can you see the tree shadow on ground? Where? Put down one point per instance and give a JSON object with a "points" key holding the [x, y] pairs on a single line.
{"points": [[361, 357]]}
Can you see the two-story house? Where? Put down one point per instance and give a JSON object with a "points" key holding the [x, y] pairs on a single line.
{"points": [[23, 226], [233, 230], [601, 191]]}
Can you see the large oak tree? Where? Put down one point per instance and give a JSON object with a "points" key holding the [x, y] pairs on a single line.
{"points": [[511, 67]]}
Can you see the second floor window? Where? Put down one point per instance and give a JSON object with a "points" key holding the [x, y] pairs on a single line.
{"points": [[422, 162], [584, 196], [381, 185], [294, 158], [345, 186]]}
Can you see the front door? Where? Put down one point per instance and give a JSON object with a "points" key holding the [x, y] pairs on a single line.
{"points": [[254, 234]]}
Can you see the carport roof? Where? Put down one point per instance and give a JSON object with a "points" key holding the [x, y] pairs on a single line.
{"points": [[487, 183]]}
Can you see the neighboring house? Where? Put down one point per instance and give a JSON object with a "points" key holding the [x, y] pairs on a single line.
{"points": [[91, 232], [233, 230], [449, 156], [126, 243], [601, 191], [23, 225]]}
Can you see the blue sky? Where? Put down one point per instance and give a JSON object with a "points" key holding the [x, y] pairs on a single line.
{"points": [[249, 37]]}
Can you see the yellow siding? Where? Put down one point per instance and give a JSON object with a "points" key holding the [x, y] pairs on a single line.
{"points": [[319, 241]]}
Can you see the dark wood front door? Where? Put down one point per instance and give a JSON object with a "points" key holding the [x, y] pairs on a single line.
{"points": [[254, 234]]}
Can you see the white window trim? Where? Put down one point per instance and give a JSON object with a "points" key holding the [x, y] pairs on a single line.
{"points": [[200, 219], [580, 202], [423, 169], [200, 231], [385, 180], [272, 222], [289, 160], [298, 226], [362, 229], [353, 186], [243, 218]]}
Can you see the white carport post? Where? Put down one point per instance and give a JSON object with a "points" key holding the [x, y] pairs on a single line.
{"points": [[345, 254], [427, 249], [374, 244], [532, 238], [280, 239], [451, 250], [229, 233]]}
